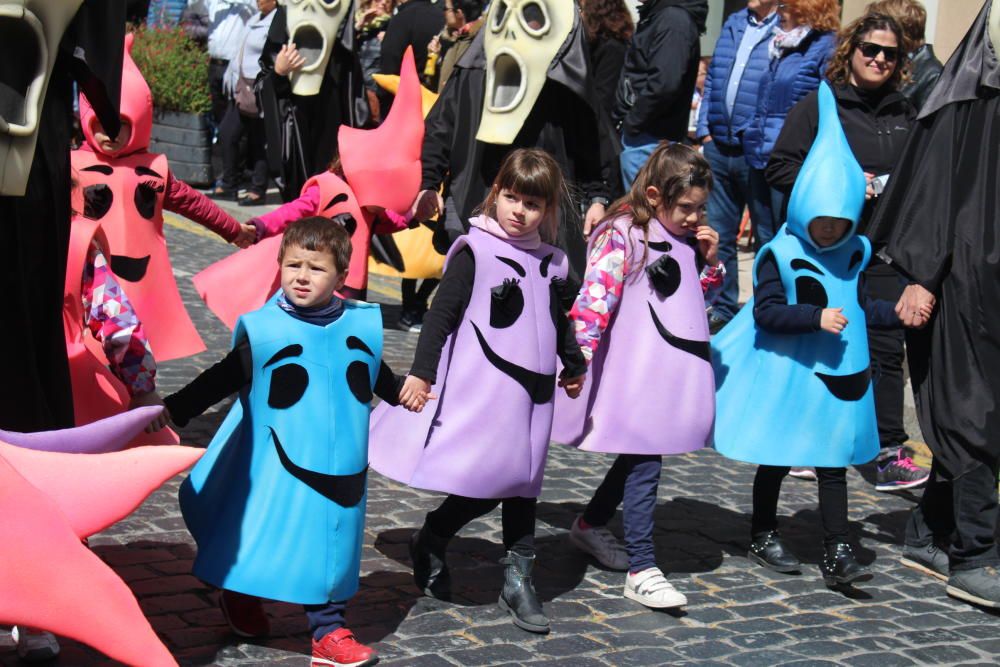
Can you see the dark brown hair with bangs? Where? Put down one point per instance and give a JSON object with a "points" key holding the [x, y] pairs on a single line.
{"points": [[319, 234], [531, 172]]}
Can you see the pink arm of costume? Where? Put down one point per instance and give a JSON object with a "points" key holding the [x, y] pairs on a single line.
{"points": [[184, 200], [111, 319], [275, 222], [390, 222], [601, 291]]}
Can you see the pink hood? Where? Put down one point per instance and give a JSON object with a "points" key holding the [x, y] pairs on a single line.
{"points": [[136, 108]]}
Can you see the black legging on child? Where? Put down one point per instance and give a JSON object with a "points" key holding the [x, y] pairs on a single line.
{"points": [[518, 519], [832, 484]]}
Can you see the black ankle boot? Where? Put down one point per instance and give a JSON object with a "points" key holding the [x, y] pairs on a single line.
{"points": [[771, 551], [839, 566], [518, 595], [430, 571]]}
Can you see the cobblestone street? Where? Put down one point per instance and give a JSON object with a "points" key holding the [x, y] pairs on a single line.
{"points": [[738, 613]]}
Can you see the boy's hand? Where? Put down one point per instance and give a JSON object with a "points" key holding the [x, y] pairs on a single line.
{"points": [[573, 386], [708, 244], [288, 60], [915, 306], [427, 204], [151, 398], [832, 320], [247, 236]]}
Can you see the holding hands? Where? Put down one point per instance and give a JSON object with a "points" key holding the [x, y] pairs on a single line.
{"points": [[415, 393], [151, 398], [288, 60], [916, 306], [573, 386], [427, 204], [247, 236]]}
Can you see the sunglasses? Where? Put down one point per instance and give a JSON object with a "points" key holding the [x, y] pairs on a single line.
{"points": [[871, 50]]}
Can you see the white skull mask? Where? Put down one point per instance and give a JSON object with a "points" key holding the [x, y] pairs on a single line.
{"points": [[32, 30], [522, 39], [313, 26], [994, 25]]}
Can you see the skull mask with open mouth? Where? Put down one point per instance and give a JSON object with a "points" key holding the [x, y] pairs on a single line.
{"points": [[313, 26]]}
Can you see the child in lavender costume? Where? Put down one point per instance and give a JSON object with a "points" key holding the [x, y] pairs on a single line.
{"points": [[488, 347], [640, 320]]}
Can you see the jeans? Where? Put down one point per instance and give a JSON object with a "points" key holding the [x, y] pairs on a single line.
{"points": [[633, 480], [961, 513], [832, 484], [737, 187], [518, 519], [325, 618], [636, 149]]}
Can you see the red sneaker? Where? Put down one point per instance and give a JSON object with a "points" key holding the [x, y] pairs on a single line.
{"points": [[340, 649], [245, 614]]}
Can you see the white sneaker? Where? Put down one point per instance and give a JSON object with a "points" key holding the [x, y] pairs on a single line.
{"points": [[600, 543], [652, 589], [34, 645], [808, 474]]}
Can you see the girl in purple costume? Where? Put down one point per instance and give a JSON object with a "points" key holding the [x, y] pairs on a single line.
{"points": [[488, 347], [640, 320]]}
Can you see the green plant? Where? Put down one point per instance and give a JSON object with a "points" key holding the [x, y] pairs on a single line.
{"points": [[175, 68]]}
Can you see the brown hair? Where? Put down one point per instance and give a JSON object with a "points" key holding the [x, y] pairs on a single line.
{"points": [[909, 14], [673, 169], [839, 69], [319, 234], [531, 172], [821, 15], [606, 19]]}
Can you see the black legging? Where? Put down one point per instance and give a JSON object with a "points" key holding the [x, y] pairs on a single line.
{"points": [[234, 126], [832, 501], [518, 519]]}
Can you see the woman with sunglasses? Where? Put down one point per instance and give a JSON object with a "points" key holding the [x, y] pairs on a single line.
{"points": [[866, 71]]}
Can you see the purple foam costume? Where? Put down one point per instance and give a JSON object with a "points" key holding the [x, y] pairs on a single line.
{"points": [[650, 389], [487, 434]]}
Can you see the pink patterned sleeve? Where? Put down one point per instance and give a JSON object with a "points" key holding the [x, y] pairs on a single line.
{"points": [[601, 290], [109, 316]]}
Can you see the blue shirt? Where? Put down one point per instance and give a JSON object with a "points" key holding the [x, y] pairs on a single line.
{"points": [[755, 32]]}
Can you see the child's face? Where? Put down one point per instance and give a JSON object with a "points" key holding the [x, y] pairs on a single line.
{"points": [[109, 145], [309, 277], [687, 213], [519, 214], [827, 231]]}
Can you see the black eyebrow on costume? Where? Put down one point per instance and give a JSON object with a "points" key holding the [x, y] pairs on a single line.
{"points": [[355, 343], [544, 269], [806, 266], [336, 199], [284, 353], [100, 168], [514, 265], [146, 171]]}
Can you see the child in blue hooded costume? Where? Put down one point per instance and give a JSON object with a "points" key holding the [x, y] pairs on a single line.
{"points": [[277, 504], [800, 349]]}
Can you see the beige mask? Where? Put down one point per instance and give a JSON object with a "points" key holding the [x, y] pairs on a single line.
{"points": [[32, 30], [313, 26], [993, 26], [522, 39]]}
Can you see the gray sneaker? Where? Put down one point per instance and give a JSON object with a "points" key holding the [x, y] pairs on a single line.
{"points": [[927, 559], [979, 586]]}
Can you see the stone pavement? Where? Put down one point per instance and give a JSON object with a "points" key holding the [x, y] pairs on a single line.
{"points": [[738, 614]]}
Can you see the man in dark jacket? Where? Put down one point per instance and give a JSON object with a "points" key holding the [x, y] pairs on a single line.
{"points": [[731, 87], [414, 24], [654, 94], [925, 68]]}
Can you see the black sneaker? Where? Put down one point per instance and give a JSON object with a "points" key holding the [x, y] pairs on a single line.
{"points": [[840, 567], [771, 551], [410, 321], [927, 559], [899, 472], [979, 586], [715, 324]]}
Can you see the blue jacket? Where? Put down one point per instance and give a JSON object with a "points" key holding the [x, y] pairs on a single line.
{"points": [[713, 119], [786, 81]]}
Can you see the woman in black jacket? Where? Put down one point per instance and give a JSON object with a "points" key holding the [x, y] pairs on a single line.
{"points": [[866, 72]]}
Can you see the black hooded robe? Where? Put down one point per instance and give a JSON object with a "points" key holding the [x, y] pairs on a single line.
{"points": [[940, 217]]}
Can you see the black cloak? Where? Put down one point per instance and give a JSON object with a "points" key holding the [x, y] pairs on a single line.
{"points": [[35, 389], [941, 218]]}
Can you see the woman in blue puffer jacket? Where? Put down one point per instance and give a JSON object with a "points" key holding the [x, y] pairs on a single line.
{"points": [[802, 44]]}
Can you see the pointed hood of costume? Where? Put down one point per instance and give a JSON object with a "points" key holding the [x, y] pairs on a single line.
{"points": [[831, 183], [382, 166], [136, 108]]}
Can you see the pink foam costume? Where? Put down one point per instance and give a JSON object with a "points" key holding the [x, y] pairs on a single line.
{"points": [[381, 168], [127, 192], [487, 435], [651, 388]]}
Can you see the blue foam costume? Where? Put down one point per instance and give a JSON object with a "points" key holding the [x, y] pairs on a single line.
{"points": [[805, 399], [277, 504]]}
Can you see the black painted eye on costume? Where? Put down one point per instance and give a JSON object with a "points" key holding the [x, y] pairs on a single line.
{"points": [[336, 199], [288, 385], [145, 198], [544, 268], [809, 290], [665, 275], [359, 381], [506, 303], [97, 201]]}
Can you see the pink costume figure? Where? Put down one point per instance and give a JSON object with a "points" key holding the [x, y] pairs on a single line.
{"points": [[126, 190], [381, 178]]}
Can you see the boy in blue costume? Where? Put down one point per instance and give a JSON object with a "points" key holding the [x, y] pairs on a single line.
{"points": [[277, 504], [801, 346]]}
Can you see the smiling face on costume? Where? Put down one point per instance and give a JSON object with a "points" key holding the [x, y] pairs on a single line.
{"points": [[519, 214], [872, 72], [826, 231], [683, 218], [309, 277]]}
